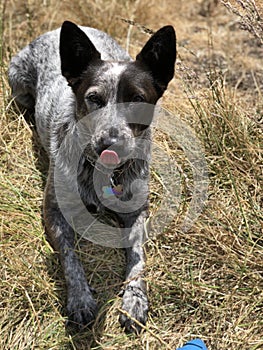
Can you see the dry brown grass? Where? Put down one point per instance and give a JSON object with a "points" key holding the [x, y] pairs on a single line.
{"points": [[206, 282]]}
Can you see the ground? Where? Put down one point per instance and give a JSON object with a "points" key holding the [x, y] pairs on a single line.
{"points": [[203, 282]]}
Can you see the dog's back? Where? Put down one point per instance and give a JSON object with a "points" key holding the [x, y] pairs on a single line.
{"points": [[39, 62], [36, 80]]}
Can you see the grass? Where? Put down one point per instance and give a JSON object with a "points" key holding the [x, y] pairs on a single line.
{"points": [[206, 282]]}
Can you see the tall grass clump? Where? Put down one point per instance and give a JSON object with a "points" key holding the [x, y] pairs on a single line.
{"points": [[250, 17]]}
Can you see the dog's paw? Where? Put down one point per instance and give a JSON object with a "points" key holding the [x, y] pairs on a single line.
{"points": [[135, 306], [81, 309]]}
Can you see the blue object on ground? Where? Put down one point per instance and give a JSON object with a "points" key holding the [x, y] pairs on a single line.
{"points": [[196, 344]]}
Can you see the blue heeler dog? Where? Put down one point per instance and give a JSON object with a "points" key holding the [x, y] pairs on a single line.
{"points": [[71, 74]]}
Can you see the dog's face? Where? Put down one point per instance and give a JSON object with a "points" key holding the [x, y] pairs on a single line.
{"points": [[116, 98]]}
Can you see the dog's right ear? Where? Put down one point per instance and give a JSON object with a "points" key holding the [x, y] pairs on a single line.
{"points": [[159, 55], [76, 51]]}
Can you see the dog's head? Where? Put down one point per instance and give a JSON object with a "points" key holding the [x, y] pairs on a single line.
{"points": [[117, 97]]}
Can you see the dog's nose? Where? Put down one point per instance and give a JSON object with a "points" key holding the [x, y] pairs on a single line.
{"points": [[113, 132], [109, 140], [119, 145], [105, 143]]}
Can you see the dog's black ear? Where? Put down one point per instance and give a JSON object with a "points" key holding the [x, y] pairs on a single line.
{"points": [[159, 55], [76, 51]]}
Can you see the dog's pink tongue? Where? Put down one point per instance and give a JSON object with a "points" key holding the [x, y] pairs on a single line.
{"points": [[109, 157]]}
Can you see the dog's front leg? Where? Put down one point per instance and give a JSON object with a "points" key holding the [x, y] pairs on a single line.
{"points": [[81, 307], [135, 301]]}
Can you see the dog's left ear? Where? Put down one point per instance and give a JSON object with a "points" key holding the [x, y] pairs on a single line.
{"points": [[159, 55], [76, 51]]}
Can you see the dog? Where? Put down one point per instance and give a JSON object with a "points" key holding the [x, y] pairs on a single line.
{"points": [[75, 74]]}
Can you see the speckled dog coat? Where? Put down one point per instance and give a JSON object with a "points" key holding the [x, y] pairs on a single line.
{"points": [[78, 73]]}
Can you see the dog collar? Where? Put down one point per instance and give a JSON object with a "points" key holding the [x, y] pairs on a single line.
{"points": [[113, 190]]}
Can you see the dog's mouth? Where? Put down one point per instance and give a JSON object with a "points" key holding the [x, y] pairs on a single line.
{"points": [[109, 158], [114, 155]]}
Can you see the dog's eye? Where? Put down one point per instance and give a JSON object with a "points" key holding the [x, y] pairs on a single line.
{"points": [[95, 98], [138, 98]]}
